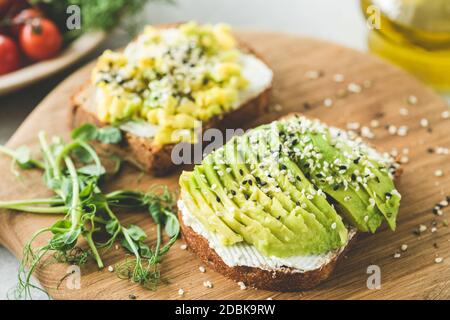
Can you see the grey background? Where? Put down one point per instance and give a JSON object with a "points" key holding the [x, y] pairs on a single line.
{"points": [[337, 21]]}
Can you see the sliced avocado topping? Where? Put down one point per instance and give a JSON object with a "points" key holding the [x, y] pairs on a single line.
{"points": [[285, 187]]}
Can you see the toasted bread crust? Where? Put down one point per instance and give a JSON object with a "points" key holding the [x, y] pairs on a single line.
{"points": [[283, 279], [153, 158]]}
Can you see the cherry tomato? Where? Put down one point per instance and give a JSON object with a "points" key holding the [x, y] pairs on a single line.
{"points": [[23, 17], [9, 55], [40, 39]]}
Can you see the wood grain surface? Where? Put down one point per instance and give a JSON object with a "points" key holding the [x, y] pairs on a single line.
{"points": [[414, 275]]}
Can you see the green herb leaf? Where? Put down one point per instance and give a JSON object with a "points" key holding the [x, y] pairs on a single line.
{"points": [[136, 233], [87, 132], [109, 135]]}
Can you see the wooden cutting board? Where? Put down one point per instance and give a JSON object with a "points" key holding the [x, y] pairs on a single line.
{"points": [[414, 275]]}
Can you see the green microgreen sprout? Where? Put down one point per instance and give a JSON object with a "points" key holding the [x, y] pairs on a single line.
{"points": [[74, 172]]}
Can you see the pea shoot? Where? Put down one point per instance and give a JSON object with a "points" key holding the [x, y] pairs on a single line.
{"points": [[74, 172]]}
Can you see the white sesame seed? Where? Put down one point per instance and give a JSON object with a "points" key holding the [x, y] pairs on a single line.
{"points": [[207, 284], [278, 107], [313, 74], [402, 131], [404, 247], [392, 129], [338, 77], [422, 228], [111, 269], [438, 173], [445, 115], [183, 247], [404, 159], [333, 225], [328, 103], [180, 292], [397, 255], [444, 203], [412, 100], [354, 88], [202, 269], [374, 123], [404, 111], [353, 125], [242, 285], [438, 260], [424, 123], [433, 229], [347, 198]]}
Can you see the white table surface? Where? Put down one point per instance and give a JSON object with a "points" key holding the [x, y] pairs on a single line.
{"points": [[338, 21]]}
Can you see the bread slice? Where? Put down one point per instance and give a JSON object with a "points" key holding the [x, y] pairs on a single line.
{"points": [[154, 158], [265, 276]]}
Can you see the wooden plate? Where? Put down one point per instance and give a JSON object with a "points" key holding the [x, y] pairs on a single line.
{"points": [[414, 275], [38, 71]]}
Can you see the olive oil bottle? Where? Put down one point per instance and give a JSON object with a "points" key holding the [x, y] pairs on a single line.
{"points": [[415, 34]]}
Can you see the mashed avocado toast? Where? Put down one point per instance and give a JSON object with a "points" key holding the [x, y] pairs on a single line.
{"points": [[169, 82], [276, 207]]}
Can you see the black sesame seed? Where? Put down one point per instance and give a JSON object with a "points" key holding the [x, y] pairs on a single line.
{"points": [[241, 172], [319, 175], [246, 196], [298, 178], [356, 161], [217, 199], [233, 192], [250, 182], [244, 182], [336, 187], [258, 180], [342, 167], [283, 167], [353, 177], [388, 195]]}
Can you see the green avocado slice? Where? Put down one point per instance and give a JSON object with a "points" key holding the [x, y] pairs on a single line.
{"points": [[305, 237], [333, 230], [199, 207]]}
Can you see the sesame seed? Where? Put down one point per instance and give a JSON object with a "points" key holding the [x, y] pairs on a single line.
{"points": [[438, 260], [397, 255], [412, 100], [402, 131], [313, 74], [207, 284], [202, 269], [354, 88], [445, 115], [180, 292], [328, 103], [111, 269], [183, 247], [422, 228], [404, 111], [347, 198], [338, 77], [433, 229], [242, 285], [333, 225], [424, 123], [438, 173], [392, 129], [374, 123], [353, 125], [404, 159], [404, 247], [278, 107]]}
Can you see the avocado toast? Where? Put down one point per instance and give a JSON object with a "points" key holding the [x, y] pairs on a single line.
{"points": [[276, 207], [167, 84]]}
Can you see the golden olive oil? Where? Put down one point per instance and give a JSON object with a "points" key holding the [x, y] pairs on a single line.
{"points": [[415, 34]]}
